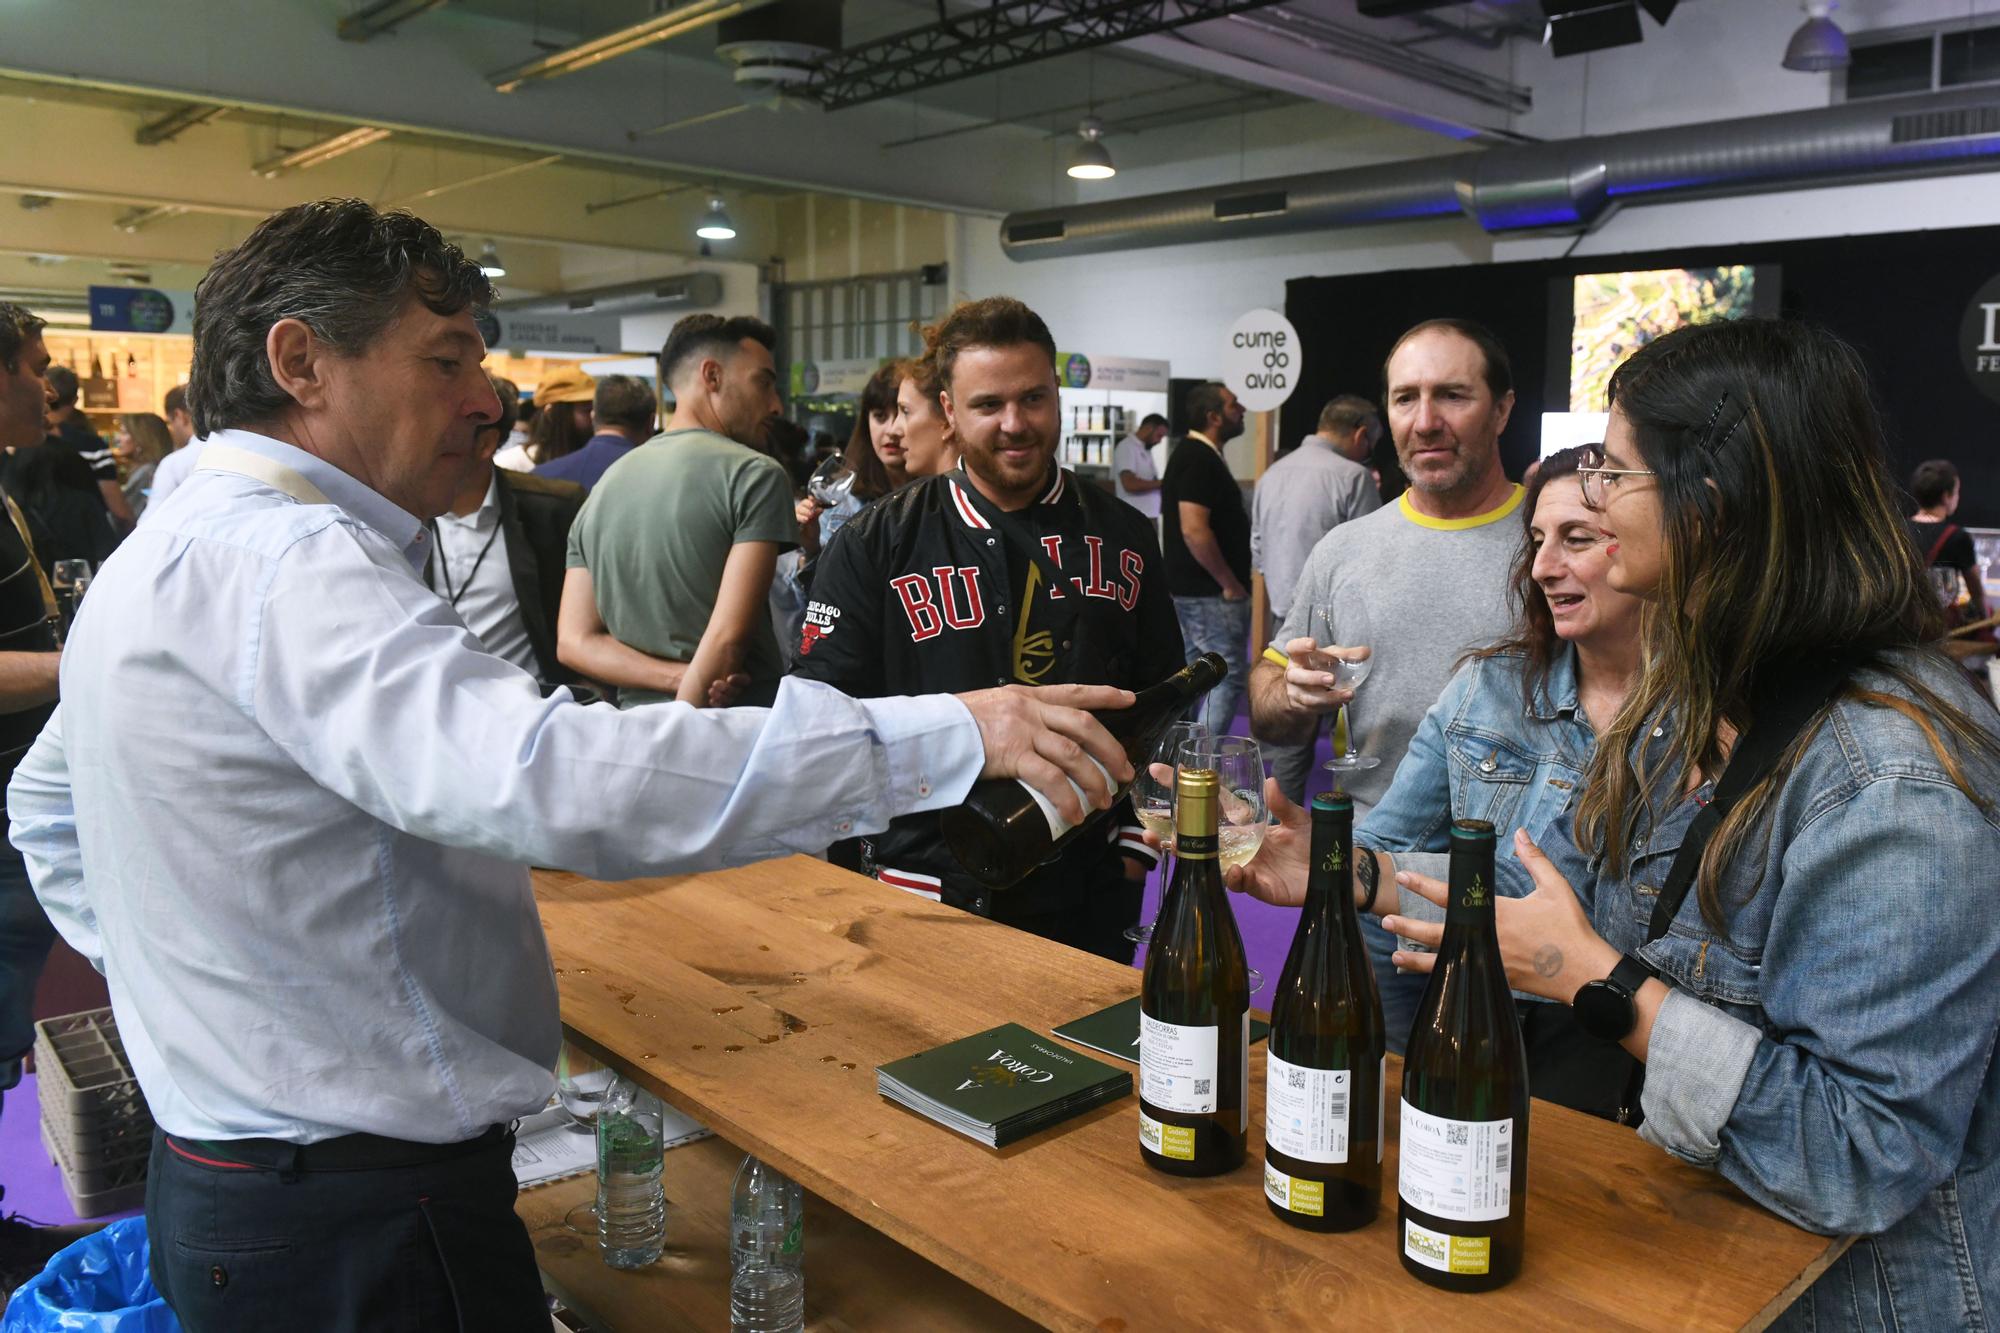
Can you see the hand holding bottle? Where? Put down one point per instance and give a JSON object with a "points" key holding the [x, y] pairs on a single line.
{"points": [[1045, 737], [1547, 943]]}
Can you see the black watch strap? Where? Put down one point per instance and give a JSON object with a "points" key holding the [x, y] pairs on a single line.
{"points": [[1370, 872], [1630, 974]]}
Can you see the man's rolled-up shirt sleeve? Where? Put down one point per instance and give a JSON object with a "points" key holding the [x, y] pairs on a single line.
{"points": [[371, 684], [42, 814]]}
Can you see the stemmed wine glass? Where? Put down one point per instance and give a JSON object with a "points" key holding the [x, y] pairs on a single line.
{"points": [[1243, 816], [582, 1083], [1153, 803], [831, 482], [1349, 629], [68, 579]]}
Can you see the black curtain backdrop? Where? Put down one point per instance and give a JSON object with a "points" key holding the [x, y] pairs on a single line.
{"points": [[1901, 299]]}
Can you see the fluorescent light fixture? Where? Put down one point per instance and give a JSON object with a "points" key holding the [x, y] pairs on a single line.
{"points": [[132, 221], [659, 28], [177, 122], [1092, 160], [489, 261], [297, 159], [715, 224], [381, 17], [1819, 44]]}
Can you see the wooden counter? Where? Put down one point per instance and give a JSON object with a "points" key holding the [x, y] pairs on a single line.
{"points": [[760, 1001]]}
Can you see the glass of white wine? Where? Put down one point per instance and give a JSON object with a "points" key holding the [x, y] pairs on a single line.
{"points": [[1153, 803], [1347, 628], [1238, 765]]}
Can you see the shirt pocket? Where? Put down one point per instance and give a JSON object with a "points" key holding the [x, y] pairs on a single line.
{"points": [[1490, 779], [1709, 965]]}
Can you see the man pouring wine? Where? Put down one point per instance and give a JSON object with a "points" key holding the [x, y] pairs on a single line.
{"points": [[1005, 571]]}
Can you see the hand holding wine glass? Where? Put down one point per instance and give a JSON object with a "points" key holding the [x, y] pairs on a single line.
{"points": [[832, 481], [1153, 804], [1349, 657], [1242, 815]]}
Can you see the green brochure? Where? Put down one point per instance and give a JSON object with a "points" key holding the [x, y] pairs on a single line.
{"points": [[1115, 1031], [1000, 1085]]}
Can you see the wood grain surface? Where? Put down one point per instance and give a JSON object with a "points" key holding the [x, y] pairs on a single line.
{"points": [[760, 1001]]}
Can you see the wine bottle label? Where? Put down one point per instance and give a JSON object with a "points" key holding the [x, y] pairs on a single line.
{"points": [[1175, 1141], [1457, 1169], [1294, 1195], [1057, 824], [1177, 1065], [1305, 1111], [1470, 1255]]}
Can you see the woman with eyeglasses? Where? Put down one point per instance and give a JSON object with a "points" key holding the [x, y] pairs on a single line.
{"points": [[1817, 1017]]}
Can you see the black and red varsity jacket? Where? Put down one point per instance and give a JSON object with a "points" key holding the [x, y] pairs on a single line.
{"points": [[933, 590]]}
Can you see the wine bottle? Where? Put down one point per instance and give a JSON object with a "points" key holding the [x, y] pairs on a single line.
{"points": [[1463, 1182], [1323, 1091], [1194, 1005], [1005, 828]]}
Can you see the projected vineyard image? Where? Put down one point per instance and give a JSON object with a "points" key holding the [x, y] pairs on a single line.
{"points": [[1615, 313]]}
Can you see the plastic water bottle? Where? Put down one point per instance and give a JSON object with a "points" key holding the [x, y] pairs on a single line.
{"points": [[631, 1200], [767, 1282]]}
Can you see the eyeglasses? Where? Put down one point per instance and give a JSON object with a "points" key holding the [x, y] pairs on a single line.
{"points": [[1599, 482]]}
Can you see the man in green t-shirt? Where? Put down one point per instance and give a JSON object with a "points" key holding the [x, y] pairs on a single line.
{"points": [[670, 561]]}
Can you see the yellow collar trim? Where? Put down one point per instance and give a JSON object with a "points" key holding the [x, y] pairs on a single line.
{"points": [[1494, 515]]}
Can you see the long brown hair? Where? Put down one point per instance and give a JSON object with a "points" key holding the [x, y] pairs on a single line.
{"points": [[150, 436], [871, 479], [1781, 543], [1533, 632]]}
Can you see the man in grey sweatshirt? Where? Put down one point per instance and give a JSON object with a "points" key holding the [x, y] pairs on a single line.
{"points": [[1429, 572]]}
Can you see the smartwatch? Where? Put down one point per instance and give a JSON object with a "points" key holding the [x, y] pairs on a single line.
{"points": [[1604, 1008]]}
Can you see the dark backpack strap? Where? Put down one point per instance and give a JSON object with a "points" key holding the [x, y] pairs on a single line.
{"points": [[1937, 547], [1792, 698]]}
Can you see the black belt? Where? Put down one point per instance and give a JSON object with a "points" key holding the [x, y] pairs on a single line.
{"points": [[349, 1152]]}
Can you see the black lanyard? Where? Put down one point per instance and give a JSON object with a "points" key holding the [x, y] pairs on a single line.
{"points": [[444, 565], [1793, 696]]}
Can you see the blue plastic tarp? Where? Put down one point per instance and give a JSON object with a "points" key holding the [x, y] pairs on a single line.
{"points": [[98, 1284]]}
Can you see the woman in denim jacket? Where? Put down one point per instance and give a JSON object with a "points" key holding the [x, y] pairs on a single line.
{"points": [[1820, 1016], [1509, 739]]}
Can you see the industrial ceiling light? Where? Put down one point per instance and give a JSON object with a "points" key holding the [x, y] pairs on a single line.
{"points": [[1819, 44], [1092, 160], [489, 261], [715, 224], [339, 145]]}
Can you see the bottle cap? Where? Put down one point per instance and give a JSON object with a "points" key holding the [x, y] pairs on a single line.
{"points": [[1334, 802], [1471, 831], [1201, 783]]}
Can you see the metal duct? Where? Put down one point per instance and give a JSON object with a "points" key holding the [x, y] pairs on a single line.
{"points": [[684, 291], [1567, 185]]}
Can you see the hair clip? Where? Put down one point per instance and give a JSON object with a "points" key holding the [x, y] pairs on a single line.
{"points": [[1707, 439]]}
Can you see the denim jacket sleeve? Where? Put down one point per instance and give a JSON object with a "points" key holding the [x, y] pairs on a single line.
{"points": [[1876, 977], [1414, 815]]}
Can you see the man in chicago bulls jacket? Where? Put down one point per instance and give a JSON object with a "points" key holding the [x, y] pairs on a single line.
{"points": [[1007, 570]]}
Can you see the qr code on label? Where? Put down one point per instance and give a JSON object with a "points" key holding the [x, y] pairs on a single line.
{"points": [[1201, 1087], [1296, 1078], [1457, 1135]]}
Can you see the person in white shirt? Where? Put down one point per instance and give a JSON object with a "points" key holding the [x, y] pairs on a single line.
{"points": [[1138, 481], [1303, 496], [288, 805], [176, 466]]}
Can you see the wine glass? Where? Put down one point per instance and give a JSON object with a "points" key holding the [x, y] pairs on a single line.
{"points": [[1153, 803], [1241, 816], [582, 1083], [831, 482], [68, 579], [1348, 628]]}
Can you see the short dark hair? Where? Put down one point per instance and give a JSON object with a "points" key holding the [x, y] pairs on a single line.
{"points": [[1152, 419], [338, 266], [1499, 366], [1205, 401], [509, 394], [1348, 412], [62, 384], [624, 400], [992, 321], [18, 327], [696, 337], [177, 399], [1932, 482]]}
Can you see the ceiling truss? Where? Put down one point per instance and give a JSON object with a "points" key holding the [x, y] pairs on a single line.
{"points": [[1002, 36]]}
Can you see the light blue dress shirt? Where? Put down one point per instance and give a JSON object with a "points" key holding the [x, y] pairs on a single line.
{"points": [[288, 803]]}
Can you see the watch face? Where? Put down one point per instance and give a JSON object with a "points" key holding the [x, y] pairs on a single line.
{"points": [[1603, 1011]]}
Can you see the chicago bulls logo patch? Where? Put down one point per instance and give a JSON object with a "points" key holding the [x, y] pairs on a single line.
{"points": [[821, 620]]}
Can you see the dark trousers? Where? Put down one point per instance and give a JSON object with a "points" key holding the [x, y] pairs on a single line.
{"points": [[253, 1235], [1094, 922]]}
